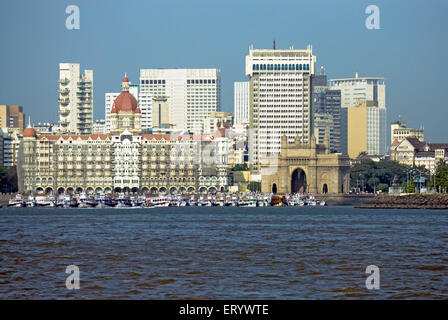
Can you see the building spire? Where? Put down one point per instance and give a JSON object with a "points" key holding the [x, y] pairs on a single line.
{"points": [[125, 83], [29, 122]]}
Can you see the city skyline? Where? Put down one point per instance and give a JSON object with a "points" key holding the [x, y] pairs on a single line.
{"points": [[115, 38]]}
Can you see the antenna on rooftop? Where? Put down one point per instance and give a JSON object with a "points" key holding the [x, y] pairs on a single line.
{"points": [[273, 45]]}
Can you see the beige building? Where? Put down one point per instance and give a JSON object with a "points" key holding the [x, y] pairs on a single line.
{"points": [[364, 128], [304, 168], [12, 117], [399, 131], [415, 152], [217, 119], [160, 113]]}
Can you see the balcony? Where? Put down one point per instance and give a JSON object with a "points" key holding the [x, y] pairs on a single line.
{"points": [[64, 112], [64, 81], [64, 101], [84, 100], [64, 91]]}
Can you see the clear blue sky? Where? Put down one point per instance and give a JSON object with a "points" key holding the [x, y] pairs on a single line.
{"points": [[410, 50]]}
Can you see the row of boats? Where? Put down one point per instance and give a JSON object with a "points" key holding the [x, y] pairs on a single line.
{"points": [[143, 201]]}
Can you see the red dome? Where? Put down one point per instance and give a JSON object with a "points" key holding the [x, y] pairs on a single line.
{"points": [[125, 79], [125, 102], [29, 133]]}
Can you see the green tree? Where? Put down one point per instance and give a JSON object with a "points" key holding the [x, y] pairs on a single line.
{"points": [[383, 187], [8, 179], [240, 167], [441, 177], [367, 175]]}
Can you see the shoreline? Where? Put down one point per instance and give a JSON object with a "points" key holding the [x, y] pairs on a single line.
{"points": [[438, 201]]}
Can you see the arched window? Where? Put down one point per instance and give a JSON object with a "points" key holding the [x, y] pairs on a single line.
{"points": [[300, 66]]}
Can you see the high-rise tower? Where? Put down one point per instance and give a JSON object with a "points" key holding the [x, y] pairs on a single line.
{"points": [[75, 99], [280, 99]]}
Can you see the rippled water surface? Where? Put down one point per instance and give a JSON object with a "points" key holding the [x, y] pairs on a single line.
{"points": [[223, 253]]}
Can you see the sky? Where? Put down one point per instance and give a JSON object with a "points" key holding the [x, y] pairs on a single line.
{"points": [[409, 50]]}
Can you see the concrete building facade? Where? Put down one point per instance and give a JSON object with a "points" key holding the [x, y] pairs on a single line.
{"points": [[399, 131], [362, 88], [75, 99], [280, 99], [365, 128], [241, 102], [192, 94], [12, 117]]}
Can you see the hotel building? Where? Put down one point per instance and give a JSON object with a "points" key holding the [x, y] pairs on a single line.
{"points": [[75, 99], [192, 95], [124, 160], [109, 99], [280, 99]]}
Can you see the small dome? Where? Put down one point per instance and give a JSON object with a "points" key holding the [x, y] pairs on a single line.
{"points": [[29, 133], [125, 79]]}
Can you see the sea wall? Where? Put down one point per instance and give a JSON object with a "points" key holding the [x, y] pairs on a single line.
{"points": [[411, 201], [338, 199]]}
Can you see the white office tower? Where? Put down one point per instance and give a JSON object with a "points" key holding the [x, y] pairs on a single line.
{"points": [[192, 95], [280, 99], [109, 99], [241, 102], [364, 88], [75, 99]]}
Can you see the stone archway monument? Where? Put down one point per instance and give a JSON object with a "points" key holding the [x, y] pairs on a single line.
{"points": [[305, 168]]}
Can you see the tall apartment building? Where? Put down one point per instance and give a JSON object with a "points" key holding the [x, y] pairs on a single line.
{"points": [[360, 88], [12, 117], [75, 99], [399, 131], [10, 143], [109, 99], [365, 128], [192, 95], [241, 102], [280, 99]]}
